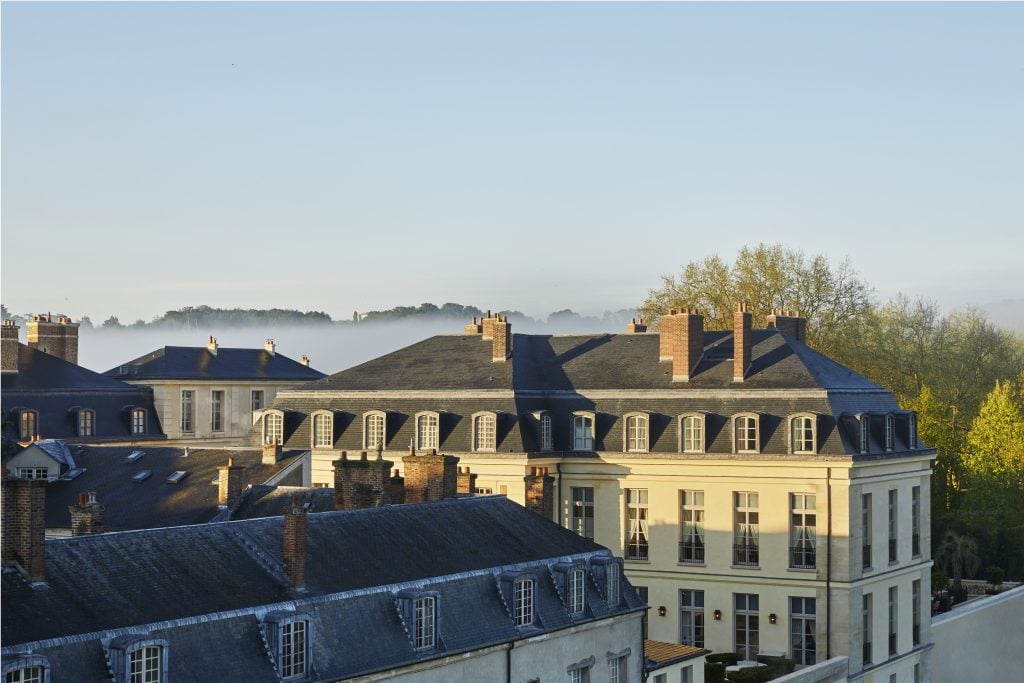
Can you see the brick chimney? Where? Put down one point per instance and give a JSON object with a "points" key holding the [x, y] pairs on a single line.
{"points": [[465, 481], [271, 452], [269, 346], [361, 483], [687, 344], [304, 360], [58, 338], [487, 326], [229, 483], [430, 476], [9, 348], [474, 327], [540, 488], [211, 345], [87, 516], [501, 349], [24, 525], [636, 326], [741, 343], [294, 545], [789, 324], [666, 331]]}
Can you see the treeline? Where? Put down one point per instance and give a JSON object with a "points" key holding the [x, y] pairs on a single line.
{"points": [[963, 375]]}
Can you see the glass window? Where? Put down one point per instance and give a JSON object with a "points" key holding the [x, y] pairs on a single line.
{"points": [[890, 429], [426, 430], [691, 621], [581, 675], [29, 425], [912, 429], [33, 473], [803, 633], [273, 428], [425, 617], [636, 433], [293, 648], [583, 433], [867, 627], [915, 521], [746, 529], [523, 602], [582, 512], [865, 433], [618, 669], [577, 590], [636, 521], [892, 526], [28, 674], [86, 422], [217, 411], [373, 430], [865, 525], [256, 399], [691, 525], [484, 433], [803, 522], [323, 430], [613, 577], [546, 442], [747, 629], [693, 434], [893, 621], [915, 588], [144, 664], [187, 410], [746, 434], [138, 421], [801, 431]]}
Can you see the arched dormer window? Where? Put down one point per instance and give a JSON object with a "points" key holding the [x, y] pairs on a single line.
{"points": [[746, 433], [290, 639], [428, 425], [545, 434], [375, 423], [27, 669], [485, 432], [607, 573], [912, 430], [865, 432], [890, 431], [803, 433], [323, 429], [273, 427], [636, 433], [583, 431], [86, 422], [137, 420], [138, 657], [28, 425], [572, 582], [691, 432]]}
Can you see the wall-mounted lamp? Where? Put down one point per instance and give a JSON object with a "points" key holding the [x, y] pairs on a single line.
{"points": [[772, 618], [662, 611], [718, 615]]}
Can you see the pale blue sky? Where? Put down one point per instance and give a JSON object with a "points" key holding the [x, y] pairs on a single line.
{"points": [[524, 156]]}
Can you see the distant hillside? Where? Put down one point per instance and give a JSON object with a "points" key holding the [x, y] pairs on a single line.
{"points": [[1008, 314]]}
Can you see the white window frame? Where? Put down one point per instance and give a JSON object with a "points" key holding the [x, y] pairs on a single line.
{"points": [[618, 669], [321, 425], [424, 609], [32, 673], [28, 424], [743, 421], [636, 432], [865, 432], [912, 430], [803, 624], [428, 430], [33, 473], [485, 440], [86, 422], [375, 429], [637, 543], [143, 662], [613, 584], [252, 400], [866, 524], [691, 617], [890, 432], [576, 580], [803, 433], [692, 546], [524, 590], [273, 426], [188, 411], [746, 533], [293, 644], [545, 432], [747, 619], [217, 410], [581, 510], [803, 524], [582, 440], [137, 420], [691, 439], [894, 526]]}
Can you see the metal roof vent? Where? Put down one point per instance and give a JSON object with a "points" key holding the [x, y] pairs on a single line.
{"points": [[142, 476], [134, 456], [177, 477], [74, 473]]}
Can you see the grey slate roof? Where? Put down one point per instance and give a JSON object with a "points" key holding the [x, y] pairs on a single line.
{"points": [[271, 501], [194, 362], [206, 588]]}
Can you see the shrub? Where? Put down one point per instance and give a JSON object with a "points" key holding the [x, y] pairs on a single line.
{"points": [[751, 675], [995, 575], [727, 658], [714, 672], [958, 592], [940, 581]]}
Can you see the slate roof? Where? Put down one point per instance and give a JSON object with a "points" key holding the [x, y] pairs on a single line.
{"points": [[58, 450], [209, 586], [271, 501], [198, 363]]}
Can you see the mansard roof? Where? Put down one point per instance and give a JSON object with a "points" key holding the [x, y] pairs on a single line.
{"points": [[199, 363]]}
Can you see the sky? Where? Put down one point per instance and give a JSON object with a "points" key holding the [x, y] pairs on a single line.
{"points": [[524, 156]]}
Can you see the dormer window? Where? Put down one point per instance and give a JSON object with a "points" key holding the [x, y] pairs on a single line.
{"points": [[802, 436], [374, 430], [691, 435], [28, 425], [293, 649], [637, 429], [138, 658], [144, 664], [138, 420], [545, 433], [890, 431], [86, 422], [420, 613], [912, 430], [484, 432], [865, 432], [27, 669], [289, 639], [577, 590], [273, 427], [522, 596], [323, 429], [613, 584], [427, 425], [746, 433], [583, 431]]}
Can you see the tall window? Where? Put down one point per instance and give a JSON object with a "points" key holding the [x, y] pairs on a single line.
{"points": [[256, 400], [86, 422], [323, 430], [892, 525], [426, 430], [27, 674], [893, 620], [890, 430], [144, 664], [691, 525], [373, 430], [577, 590], [636, 524], [915, 521], [29, 423], [138, 421], [636, 433], [915, 589], [293, 648], [425, 615], [865, 525], [217, 411], [484, 433], [912, 430], [273, 428], [691, 618], [522, 600], [582, 512], [745, 436], [745, 538], [693, 433], [803, 630], [803, 522], [582, 433], [867, 627], [801, 433], [618, 669], [579, 675], [746, 625], [613, 584], [187, 410], [546, 442], [865, 433]]}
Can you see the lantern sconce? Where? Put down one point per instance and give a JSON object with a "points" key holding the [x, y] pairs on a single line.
{"points": [[718, 615], [772, 618], [662, 611]]}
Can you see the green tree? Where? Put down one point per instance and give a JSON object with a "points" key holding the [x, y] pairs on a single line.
{"points": [[994, 453]]}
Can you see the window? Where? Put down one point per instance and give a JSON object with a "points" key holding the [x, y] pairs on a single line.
{"points": [[256, 399], [660, 678], [745, 550], [893, 620], [691, 618], [693, 433], [583, 432], [915, 521], [917, 673], [293, 648], [323, 429], [484, 436], [618, 669], [273, 427], [523, 602], [138, 421], [217, 411], [33, 473], [546, 442], [577, 591], [801, 434], [686, 674], [745, 437], [890, 429], [427, 430], [27, 674], [912, 431], [915, 591], [579, 675], [86, 422], [145, 665], [746, 625], [865, 433], [374, 432], [613, 584], [582, 512], [691, 526], [865, 525], [187, 407], [636, 524], [803, 522], [636, 433], [803, 630], [29, 427], [424, 629], [867, 627], [892, 526]]}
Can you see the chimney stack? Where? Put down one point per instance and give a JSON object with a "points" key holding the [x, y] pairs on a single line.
{"points": [[9, 348], [396, 488], [687, 344], [540, 492], [466, 481], [789, 323], [501, 349], [636, 326], [487, 326], [430, 476], [87, 516], [58, 338], [474, 327], [211, 345], [666, 332], [741, 343], [229, 483], [23, 507], [269, 346], [361, 483], [304, 360], [294, 545]]}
